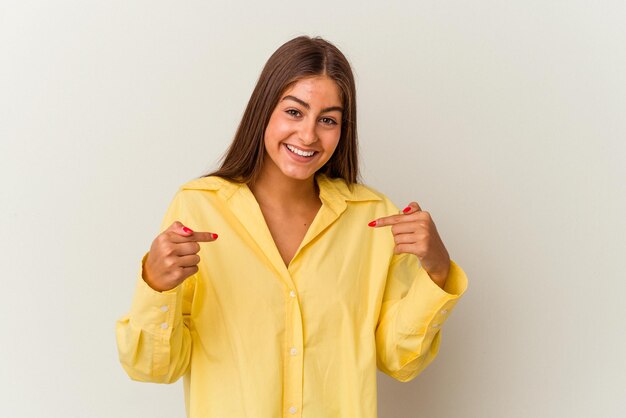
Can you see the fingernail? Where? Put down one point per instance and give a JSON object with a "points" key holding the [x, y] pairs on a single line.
{"points": [[187, 230], [373, 223], [405, 210], [214, 236]]}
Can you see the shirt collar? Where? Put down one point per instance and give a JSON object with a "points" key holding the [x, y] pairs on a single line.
{"points": [[333, 191], [334, 194]]}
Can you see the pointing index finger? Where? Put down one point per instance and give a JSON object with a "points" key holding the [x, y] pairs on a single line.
{"points": [[195, 237], [395, 219], [204, 236], [387, 220]]}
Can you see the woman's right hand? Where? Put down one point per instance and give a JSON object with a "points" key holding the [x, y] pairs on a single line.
{"points": [[173, 256]]}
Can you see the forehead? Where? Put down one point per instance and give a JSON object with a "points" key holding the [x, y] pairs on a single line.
{"points": [[317, 90]]}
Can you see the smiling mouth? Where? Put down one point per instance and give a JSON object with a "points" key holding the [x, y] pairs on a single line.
{"points": [[300, 152]]}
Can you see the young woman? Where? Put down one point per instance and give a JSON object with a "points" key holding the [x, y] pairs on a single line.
{"points": [[315, 279]]}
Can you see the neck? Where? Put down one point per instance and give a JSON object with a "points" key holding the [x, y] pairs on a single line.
{"points": [[276, 190]]}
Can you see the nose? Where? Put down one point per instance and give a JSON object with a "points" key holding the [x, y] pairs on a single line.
{"points": [[307, 133]]}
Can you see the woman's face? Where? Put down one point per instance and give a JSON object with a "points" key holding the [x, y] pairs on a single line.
{"points": [[304, 128]]}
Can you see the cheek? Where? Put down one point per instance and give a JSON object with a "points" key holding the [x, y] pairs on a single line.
{"points": [[276, 130], [330, 147], [332, 142]]}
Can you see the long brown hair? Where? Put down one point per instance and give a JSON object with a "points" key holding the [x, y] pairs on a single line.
{"points": [[298, 58]]}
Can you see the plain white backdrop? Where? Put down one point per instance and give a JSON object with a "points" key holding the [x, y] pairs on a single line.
{"points": [[504, 119]]}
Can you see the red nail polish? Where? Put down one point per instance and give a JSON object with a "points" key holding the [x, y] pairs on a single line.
{"points": [[214, 236], [373, 223], [405, 210], [187, 230]]}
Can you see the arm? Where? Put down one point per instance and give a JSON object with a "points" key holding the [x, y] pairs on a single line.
{"points": [[153, 339], [422, 287], [413, 311]]}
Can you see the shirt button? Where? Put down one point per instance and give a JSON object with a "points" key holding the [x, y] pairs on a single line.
{"points": [[164, 325], [164, 308], [293, 351], [435, 325], [292, 293], [292, 410], [444, 311]]}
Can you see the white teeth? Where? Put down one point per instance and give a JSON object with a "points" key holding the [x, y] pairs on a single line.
{"points": [[300, 152]]}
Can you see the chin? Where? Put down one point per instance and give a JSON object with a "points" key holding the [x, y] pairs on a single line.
{"points": [[301, 175]]}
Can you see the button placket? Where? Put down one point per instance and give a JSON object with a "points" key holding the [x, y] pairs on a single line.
{"points": [[293, 361]]}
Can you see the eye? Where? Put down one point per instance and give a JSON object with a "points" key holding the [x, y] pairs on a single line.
{"points": [[293, 112], [328, 121]]}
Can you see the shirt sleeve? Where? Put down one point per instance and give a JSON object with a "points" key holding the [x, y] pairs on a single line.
{"points": [[153, 339], [413, 311]]}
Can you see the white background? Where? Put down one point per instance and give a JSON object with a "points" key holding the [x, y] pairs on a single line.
{"points": [[504, 119]]}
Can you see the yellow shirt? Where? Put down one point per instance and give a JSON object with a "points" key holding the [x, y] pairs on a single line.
{"points": [[255, 338]]}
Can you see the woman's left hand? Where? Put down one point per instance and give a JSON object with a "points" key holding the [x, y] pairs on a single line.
{"points": [[414, 232]]}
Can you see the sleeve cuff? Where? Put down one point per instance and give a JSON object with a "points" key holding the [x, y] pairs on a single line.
{"points": [[456, 283], [151, 310], [428, 306]]}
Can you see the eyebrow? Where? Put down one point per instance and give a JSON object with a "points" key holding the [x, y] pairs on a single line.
{"points": [[307, 106]]}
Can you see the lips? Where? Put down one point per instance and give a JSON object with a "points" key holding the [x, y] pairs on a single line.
{"points": [[300, 152]]}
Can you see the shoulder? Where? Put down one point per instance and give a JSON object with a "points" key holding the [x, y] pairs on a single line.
{"points": [[356, 192], [351, 192], [337, 187], [201, 190], [208, 183], [224, 188]]}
